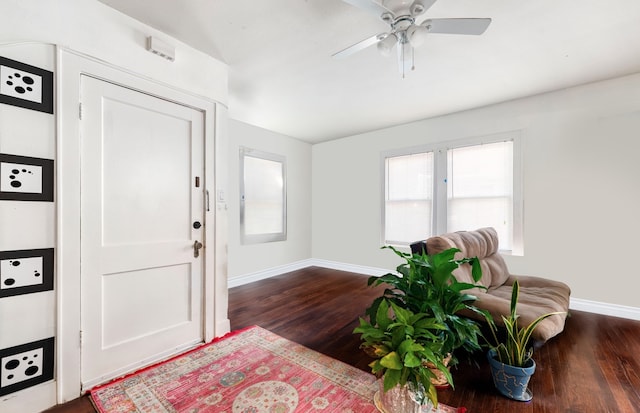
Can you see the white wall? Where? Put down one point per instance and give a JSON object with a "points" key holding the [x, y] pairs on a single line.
{"points": [[90, 27], [30, 225], [246, 260], [581, 196], [29, 30]]}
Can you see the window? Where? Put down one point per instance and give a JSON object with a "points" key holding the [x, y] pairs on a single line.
{"points": [[409, 196], [454, 186], [263, 200], [480, 189]]}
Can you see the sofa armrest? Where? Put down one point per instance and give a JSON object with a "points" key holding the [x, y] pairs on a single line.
{"points": [[419, 247], [527, 281]]}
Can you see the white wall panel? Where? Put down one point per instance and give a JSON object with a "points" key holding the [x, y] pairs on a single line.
{"points": [[580, 164], [246, 259]]}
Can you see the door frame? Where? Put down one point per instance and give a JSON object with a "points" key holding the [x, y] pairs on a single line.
{"points": [[70, 67]]}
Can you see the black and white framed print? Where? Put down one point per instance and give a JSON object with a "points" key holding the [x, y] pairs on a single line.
{"points": [[26, 271], [23, 178], [26, 365], [26, 86]]}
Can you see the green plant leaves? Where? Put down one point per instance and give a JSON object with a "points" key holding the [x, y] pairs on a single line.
{"points": [[415, 320], [426, 284], [411, 360], [392, 361], [515, 350], [402, 341], [476, 270], [392, 378], [382, 315]]}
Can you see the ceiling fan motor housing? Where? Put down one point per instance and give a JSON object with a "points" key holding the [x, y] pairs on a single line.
{"points": [[403, 7]]}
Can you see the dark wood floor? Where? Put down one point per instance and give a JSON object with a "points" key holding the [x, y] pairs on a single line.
{"points": [[593, 366]]}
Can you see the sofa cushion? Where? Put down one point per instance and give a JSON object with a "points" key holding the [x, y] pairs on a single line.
{"points": [[537, 296], [482, 243]]}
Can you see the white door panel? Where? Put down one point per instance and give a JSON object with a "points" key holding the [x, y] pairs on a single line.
{"points": [[144, 163], [141, 292], [168, 307]]}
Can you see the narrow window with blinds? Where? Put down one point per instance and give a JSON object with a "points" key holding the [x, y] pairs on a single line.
{"points": [[409, 197], [480, 189], [454, 186], [263, 197]]}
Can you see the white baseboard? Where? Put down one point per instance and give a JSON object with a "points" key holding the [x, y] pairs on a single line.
{"points": [[360, 269], [577, 304], [311, 262], [268, 273], [597, 307]]}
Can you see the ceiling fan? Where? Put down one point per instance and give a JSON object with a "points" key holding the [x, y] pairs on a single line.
{"points": [[406, 33]]}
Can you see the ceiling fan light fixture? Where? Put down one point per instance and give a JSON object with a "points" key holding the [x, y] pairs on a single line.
{"points": [[386, 45], [417, 35]]}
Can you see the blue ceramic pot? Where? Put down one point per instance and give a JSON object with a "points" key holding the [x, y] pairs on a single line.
{"points": [[511, 381]]}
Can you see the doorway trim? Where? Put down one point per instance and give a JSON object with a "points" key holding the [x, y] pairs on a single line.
{"points": [[70, 66]]}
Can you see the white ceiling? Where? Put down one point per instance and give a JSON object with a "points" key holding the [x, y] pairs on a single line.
{"points": [[282, 76]]}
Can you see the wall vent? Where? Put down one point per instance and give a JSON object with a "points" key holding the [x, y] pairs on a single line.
{"points": [[162, 49]]}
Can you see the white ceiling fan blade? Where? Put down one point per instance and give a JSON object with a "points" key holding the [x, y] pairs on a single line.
{"points": [[456, 26], [370, 6], [370, 41]]}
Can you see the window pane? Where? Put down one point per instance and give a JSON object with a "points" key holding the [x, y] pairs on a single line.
{"points": [[407, 221], [410, 176], [480, 189], [263, 201], [263, 197], [408, 201], [467, 214]]}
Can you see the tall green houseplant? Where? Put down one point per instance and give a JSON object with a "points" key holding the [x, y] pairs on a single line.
{"points": [[401, 341], [426, 284]]}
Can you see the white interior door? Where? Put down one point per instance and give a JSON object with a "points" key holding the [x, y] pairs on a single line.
{"points": [[141, 195]]}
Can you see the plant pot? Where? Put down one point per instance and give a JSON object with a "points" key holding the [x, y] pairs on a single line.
{"points": [[400, 399], [511, 381], [440, 381]]}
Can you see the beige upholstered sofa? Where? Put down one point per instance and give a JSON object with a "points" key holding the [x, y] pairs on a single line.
{"points": [[537, 295]]}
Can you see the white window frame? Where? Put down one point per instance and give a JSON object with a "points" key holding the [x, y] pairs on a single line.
{"points": [[270, 236], [439, 207]]}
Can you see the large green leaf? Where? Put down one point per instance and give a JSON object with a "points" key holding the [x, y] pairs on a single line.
{"points": [[391, 379], [515, 291], [382, 315], [409, 346], [402, 315], [392, 361], [398, 335], [411, 360]]}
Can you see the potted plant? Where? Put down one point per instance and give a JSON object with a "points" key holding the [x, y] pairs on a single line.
{"points": [[511, 359], [426, 284], [400, 341]]}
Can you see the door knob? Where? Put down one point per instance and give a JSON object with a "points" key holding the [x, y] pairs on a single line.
{"points": [[197, 225], [196, 248]]}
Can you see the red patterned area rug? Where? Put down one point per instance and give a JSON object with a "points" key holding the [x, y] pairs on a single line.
{"points": [[247, 371]]}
